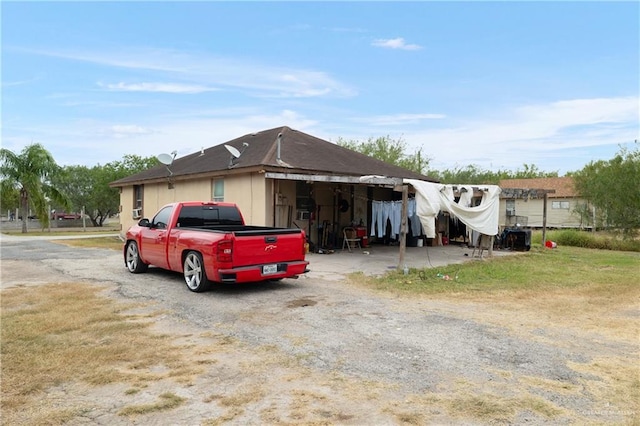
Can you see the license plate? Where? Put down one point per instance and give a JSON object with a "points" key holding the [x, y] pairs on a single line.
{"points": [[269, 269]]}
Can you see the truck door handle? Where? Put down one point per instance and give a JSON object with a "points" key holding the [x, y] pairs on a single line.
{"points": [[270, 240]]}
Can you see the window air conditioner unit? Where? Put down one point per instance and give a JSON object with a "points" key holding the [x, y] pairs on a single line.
{"points": [[511, 212], [303, 215], [136, 213]]}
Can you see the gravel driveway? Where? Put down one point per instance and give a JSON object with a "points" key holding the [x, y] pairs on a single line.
{"points": [[361, 358]]}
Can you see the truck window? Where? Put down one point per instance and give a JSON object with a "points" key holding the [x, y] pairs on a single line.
{"points": [[161, 218], [203, 216]]}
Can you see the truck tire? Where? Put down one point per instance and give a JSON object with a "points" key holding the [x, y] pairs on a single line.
{"points": [[132, 259], [194, 274]]}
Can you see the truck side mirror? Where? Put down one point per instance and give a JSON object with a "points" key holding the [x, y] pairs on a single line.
{"points": [[144, 223]]}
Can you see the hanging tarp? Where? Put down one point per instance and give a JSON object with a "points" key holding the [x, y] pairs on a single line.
{"points": [[432, 198]]}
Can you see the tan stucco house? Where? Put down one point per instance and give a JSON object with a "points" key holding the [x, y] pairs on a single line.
{"points": [[277, 177], [562, 203]]}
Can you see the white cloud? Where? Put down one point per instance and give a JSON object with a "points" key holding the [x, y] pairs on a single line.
{"points": [[538, 134], [202, 69], [395, 43], [346, 29], [89, 142], [400, 119], [562, 135], [120, 131], [158, 87], [19, 82]]}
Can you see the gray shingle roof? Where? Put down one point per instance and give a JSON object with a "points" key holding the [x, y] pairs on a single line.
{"points": [[300, 153]]}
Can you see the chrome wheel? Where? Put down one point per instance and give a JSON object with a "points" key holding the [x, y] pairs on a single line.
{"points": [[194, 274], [132, 259]]}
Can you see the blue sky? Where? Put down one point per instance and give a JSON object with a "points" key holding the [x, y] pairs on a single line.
{"points": [[496, 85]]}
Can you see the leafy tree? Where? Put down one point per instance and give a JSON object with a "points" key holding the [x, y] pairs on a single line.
{"points": [[30, 173], [89, 187], [9, 196], [391, 151], [584, 211], [473, 174], [613, 187]]}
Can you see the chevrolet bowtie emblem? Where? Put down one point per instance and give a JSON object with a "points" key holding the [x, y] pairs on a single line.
{"points": [[270, 247]]}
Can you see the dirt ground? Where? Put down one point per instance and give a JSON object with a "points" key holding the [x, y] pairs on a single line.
{"points": [[319, 350]]}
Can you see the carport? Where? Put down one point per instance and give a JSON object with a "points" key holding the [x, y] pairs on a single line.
{"points": [[431, 198]]}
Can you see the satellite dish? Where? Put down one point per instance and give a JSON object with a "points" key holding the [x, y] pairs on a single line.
{"points": [[165, 159], [233, 151]]}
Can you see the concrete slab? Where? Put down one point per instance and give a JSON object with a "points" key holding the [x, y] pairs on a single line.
{"points": [[377, 260]]}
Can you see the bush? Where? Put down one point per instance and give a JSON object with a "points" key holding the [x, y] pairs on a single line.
{"points": [[586, 239]]}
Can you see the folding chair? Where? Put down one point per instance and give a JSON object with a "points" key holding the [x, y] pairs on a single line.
{"points": [[350, 239]]}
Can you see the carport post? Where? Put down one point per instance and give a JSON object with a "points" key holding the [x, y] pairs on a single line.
{"points": [[544, 220], [403, 226]]}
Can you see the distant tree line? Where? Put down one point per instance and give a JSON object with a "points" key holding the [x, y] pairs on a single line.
{"points": [[32, 181], [611, 186], [395, 151]]}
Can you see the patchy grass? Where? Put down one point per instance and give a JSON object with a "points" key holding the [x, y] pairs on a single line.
{"points": [[166, 401], [600, 289], [65, 334], [493, 408], [498, 409], [592, 295], [113, 243], [39, 232]]}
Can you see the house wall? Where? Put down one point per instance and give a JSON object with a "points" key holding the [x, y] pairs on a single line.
{"points": [[156, 195], [533, 210], [249, 192], [323, 195], [283, 213], [360, 205], [126, 206]]}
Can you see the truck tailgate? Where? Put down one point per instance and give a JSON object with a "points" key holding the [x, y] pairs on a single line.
{"points": [[251, 249]]}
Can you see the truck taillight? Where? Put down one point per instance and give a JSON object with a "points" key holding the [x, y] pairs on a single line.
{"points": [[225, 251], [305, 244]]}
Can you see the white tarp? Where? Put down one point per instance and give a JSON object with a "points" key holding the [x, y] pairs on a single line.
{"points": [[431, 198]]}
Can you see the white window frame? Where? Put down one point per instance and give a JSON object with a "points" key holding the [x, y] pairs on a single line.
{"points": [[138, 196], [219, 197], [560, 205]]}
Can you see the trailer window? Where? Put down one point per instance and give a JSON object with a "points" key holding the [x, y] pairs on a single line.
{"points": [[560, 205]]}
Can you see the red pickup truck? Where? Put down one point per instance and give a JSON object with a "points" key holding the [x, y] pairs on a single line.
{"points": [[209, 242]]}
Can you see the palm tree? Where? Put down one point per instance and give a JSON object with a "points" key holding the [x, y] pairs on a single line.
{"points": [[30, 173]]}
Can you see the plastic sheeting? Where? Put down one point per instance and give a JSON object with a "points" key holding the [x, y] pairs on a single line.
{"points": [[431, 198]]}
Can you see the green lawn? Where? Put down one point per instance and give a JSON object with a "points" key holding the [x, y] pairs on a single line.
{"points": [[539, 269]]}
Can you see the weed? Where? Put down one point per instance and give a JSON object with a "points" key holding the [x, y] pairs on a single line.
{"points": [[167, 401], [584, 239]]}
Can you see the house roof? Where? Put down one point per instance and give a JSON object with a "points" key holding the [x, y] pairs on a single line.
{"points": [[562, 185], [299, 153]]}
